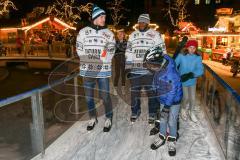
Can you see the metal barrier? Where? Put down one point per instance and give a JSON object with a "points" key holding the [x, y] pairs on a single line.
{"points": [[40, 50], [37, 98], [222, 107]]}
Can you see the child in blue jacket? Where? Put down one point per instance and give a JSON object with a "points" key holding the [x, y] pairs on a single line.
{"points": [[190, 67], [168, 87]]}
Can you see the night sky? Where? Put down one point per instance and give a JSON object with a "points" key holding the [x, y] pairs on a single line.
{"points": [[203, 17]]}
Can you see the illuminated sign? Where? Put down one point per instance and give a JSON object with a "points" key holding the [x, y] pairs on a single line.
{"points": [[224, 11], [220, 29]]}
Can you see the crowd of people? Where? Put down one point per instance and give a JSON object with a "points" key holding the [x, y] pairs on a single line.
{"points": [[37, 41], [169, 82]]}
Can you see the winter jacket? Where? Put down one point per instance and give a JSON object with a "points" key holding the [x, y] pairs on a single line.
{"points": [[186, 63], [95, 46], [121, 47], [167, 84], [138, 44]]}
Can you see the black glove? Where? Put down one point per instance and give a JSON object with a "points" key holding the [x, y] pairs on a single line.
{"points": [[187, 76], [165, 113]]}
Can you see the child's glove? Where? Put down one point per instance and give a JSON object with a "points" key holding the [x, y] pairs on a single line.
{"points": [[187, 76]]}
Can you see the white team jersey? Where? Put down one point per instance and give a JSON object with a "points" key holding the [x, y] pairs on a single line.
{"points": [[138, 44], [95, 49]]}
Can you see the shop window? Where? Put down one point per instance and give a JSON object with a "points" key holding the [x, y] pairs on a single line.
{"points": [[12, 37], [154, 2], [208, 1], [221, 42], [197, 2]]}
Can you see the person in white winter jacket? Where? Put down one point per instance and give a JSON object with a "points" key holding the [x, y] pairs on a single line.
{"points": [[139, 42], [96, 47]]}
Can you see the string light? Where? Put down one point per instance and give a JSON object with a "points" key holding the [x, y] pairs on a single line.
{"points": [[27, 28], [151, 25]]}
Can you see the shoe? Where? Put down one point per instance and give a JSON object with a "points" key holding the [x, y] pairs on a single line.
{"points": [[107, 125], [91, 124], [151, 120], [158, 142], [155, 130], [171, 142], [192, 116], [184, 114], [134, 117]]}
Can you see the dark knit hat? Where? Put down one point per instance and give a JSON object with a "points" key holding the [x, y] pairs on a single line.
{"points": [[144, 18]]}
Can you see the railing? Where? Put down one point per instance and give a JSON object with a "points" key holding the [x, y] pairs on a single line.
{"points": [[59, 49], [222, 107], [41, 105], [39, 112]]}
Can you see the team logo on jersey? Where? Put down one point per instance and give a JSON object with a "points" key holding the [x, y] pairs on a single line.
{"points": [[106, 35], [152, 35]]}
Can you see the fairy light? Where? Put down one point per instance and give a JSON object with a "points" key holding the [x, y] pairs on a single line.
{"points": [[151, 25], [27, 28], [215, 35]]}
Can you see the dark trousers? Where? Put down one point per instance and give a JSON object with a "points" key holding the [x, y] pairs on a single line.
{"points": [[119, 69], [137, 83]]}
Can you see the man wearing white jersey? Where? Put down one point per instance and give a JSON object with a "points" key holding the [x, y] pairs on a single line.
{"points": [[96, 47], [139, 42]]}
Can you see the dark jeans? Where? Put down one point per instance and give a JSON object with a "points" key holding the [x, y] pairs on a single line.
{"points": [[103, 86], [119, 69], [137, 83]]}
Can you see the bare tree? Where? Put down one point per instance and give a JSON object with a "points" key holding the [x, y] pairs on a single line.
{"points": [[86, 8], [117, 11], [68, 11], [5, 6], [178, 8]]}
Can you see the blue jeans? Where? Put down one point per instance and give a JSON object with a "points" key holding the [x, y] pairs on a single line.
{"points": [[103, 86], [137, 83], [171, 122]]}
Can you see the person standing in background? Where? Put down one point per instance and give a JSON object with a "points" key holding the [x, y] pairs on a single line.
{"points": [[119, 59]]}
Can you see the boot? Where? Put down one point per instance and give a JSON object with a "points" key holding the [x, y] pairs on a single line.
{"points": [[91, 124], [192, 116], [155, 130], [184, 114], [158, 142], [107, 125], [171, 141]]}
